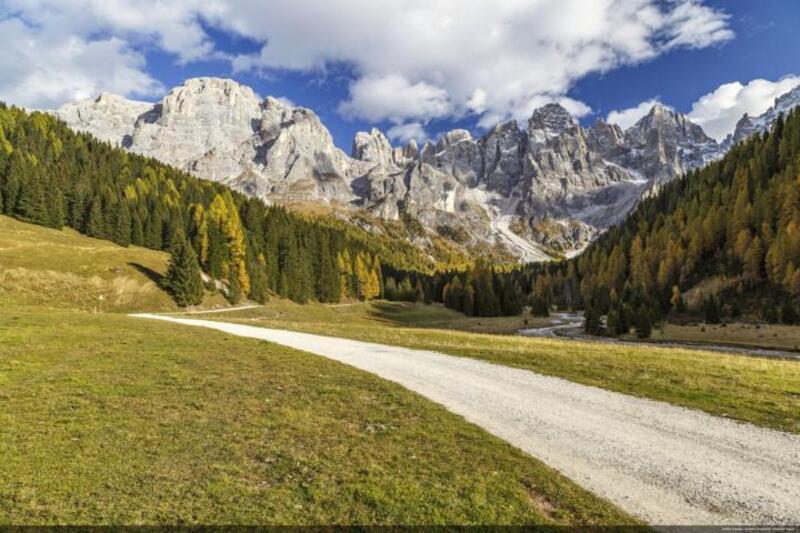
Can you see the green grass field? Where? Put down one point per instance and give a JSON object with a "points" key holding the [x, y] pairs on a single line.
{"points": [[111, 419], [762, 391], [772, 336], [108, 419], [63, 269]]}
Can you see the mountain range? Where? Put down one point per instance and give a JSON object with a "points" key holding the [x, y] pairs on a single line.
{"points": [[529, 193]]}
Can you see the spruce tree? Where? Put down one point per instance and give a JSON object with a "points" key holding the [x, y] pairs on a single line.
{"points": [[55, 207], [122, 231], [31, 204], [183, 278], [643, 323], [95, 221], [137, 232]]}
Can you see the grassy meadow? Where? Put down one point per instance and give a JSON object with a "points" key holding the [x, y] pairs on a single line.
{"points": [[63, 269], [770, 336], [109, 419], [762, 391]]}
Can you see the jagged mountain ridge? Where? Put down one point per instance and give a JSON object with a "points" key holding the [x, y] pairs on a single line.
{"points": [[748, 125], [552, 185]]}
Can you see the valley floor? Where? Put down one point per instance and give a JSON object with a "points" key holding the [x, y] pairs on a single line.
{"points": [[666, 464], [106, 419], [762, 391]]}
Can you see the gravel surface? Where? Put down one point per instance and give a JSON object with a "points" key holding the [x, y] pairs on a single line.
{"points": [[666, 464]]}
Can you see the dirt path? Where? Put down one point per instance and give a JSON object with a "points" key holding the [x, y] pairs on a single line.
{"points": [[666, 464], [223, 310]]}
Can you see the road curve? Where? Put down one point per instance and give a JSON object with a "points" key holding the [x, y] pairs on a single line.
{"points": [[666, 464]]}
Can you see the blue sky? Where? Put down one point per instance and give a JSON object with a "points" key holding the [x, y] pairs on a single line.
{"points": [[414, 68]]}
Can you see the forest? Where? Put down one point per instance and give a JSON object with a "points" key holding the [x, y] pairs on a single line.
{"points": [[52, 176]]}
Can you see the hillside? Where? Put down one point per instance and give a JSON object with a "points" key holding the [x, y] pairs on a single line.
{"points": [[721, 242], [51, 176], [63, 269]]}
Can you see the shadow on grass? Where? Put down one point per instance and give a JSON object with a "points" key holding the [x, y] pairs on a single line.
{"points": [[151, 274], [406, 314]]}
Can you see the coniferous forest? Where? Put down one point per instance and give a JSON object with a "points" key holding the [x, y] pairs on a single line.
{"points": [[52, 176]]}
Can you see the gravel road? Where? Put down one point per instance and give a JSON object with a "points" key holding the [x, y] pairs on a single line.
{"points": [[666, 464]]}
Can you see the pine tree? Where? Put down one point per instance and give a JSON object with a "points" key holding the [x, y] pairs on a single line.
{"points": [[122, 232], [54, 199], [234, 292], [95, 222], [345, 267], [31, 204], [259, 285], [183, 278], [591, 320], [643, 322], [377, 277], [137, 232], [467, 305]]}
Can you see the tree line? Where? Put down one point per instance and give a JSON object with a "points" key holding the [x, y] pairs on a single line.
{"points": [[52, 176]]}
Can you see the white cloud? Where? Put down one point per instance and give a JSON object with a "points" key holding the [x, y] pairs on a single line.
{"points": [[392, 97], [494, 59], [171, 26], [718, 111], [423, 59], [406, 132], [693, 25], [41, 70], [626, 118]]}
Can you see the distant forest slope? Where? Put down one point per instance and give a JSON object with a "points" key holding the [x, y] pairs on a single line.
{"points": [[52, 176], [723, 241]]}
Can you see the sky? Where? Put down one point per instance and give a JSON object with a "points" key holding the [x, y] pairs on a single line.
{"points": [[415, 68]]}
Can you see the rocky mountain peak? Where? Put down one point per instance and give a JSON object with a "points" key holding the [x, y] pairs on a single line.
{"points": [[372, 147], [453, 137], [787, 101], [108, 117], [553, 119], [212, 98], [556, 181], [749, 125]]}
